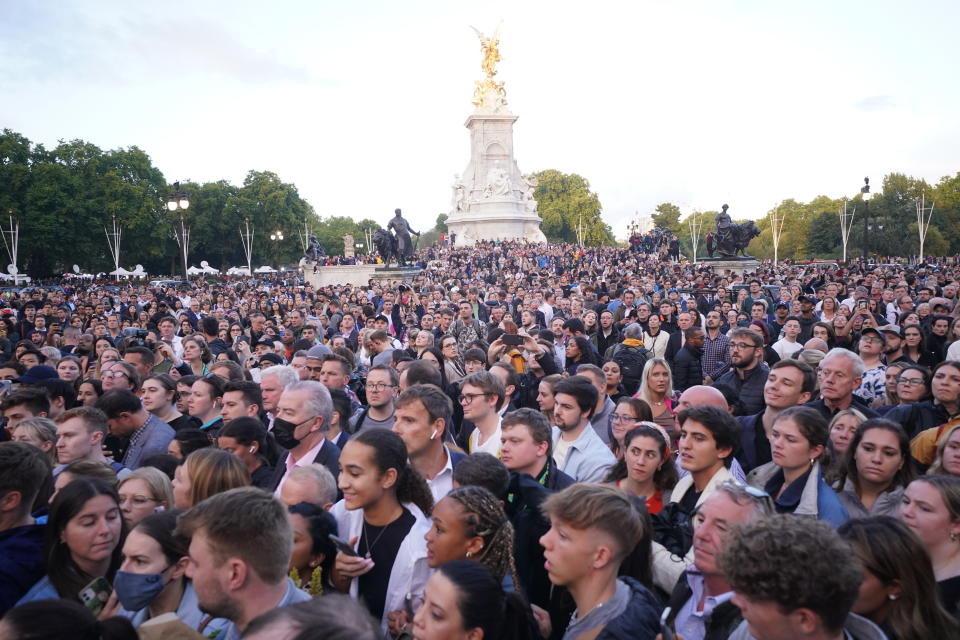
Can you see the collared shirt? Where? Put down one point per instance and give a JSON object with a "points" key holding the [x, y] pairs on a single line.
{"points": [[303, 461], [690, 623], [602, 419], [587, 458], [715, 358], [442, 483]]}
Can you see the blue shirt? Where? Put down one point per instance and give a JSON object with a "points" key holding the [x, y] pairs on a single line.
{"points": [[690, 623], [588, 459]]}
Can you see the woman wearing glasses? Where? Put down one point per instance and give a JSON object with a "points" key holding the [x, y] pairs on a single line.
{"points": [[794, 478], [927, 420], [144, 491], [628, 412]]}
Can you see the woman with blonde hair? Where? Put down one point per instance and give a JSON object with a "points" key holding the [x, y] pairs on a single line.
{"points": [[144, 491], [656, 389], [947, 462], [40, 433], [207, 472]]}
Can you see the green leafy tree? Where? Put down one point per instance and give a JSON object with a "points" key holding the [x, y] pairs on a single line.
{"points": [[565, 201], [441, 225], [667, 215]]}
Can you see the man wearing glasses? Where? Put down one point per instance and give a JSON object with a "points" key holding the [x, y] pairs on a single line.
{"points": [[872, 345], [748, 372], [481, 396], [382, 384]]}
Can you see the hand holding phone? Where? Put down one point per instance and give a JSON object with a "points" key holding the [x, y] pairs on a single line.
{"points": [[666, 633], [343, 546]]}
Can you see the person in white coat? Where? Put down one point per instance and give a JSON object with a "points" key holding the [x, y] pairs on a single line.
{"points": [[384, 515]]}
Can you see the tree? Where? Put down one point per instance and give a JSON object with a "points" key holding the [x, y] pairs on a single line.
{"points": [[667, 215], [564, 202], [441, 226]]}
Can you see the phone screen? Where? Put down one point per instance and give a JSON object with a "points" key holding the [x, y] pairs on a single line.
{"points": [[94, 596]]}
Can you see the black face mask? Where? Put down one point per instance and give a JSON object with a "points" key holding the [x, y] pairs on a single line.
{"points": [[283, 432]]}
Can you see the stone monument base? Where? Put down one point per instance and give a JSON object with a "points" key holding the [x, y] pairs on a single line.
{"points": [[739, 266], [357, 274], [471, 229]]}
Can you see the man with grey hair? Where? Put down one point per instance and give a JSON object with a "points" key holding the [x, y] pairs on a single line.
{"points": [[840, 373], [700, 602], [304, 413], [312, 483], [631, 357], [272, 383]]}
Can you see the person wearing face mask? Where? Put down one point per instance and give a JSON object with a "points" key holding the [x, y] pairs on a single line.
{"points": [[304, 414], [151, 581]]}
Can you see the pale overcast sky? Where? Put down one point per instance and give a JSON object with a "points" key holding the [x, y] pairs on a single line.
{"points": [[362, 104]]}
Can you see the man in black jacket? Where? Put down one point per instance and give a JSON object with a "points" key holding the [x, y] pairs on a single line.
{"points": [[748, 372], [687, 369], [700, 603]]}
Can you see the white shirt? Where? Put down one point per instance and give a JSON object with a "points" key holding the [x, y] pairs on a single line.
{"points": [[442, 483], [303, 461], [491, 445]]}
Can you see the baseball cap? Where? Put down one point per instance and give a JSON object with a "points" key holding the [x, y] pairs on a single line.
{"points": [[890, 328], [781, 304], [265, 341], [36, 374], [271, 357], [317, 352]]}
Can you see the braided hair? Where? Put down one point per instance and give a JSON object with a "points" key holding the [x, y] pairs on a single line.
{"points": [[485, 518]]}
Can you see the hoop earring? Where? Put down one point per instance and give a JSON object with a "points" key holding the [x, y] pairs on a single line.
{"points": [[469, 553]]}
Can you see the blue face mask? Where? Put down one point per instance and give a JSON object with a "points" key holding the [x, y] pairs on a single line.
{"points": [[136, 590]]}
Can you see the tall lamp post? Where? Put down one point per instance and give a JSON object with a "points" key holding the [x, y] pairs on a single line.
{"points": [[178, 202], [866, 195], [277, 236]]}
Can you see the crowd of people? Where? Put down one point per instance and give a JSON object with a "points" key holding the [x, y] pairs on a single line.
{"points": [[524, 441]]}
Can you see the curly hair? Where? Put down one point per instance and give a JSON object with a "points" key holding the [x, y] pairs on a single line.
{"points": [[484, 517], [795, 563]]}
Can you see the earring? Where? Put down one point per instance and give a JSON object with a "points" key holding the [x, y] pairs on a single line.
{"points": [[812, 461], [469, 553], [954, 536], [893, 596]]}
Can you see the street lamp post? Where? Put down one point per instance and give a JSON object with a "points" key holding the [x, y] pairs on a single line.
{"points": [[277, 236], [866, 195], [178, 202]]}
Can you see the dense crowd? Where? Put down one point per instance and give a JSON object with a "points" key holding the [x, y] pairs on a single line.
{"points": [[524, 441]]}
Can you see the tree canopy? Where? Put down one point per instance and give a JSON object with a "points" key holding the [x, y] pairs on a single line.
{"points": [[65, 198], [565, 201]]}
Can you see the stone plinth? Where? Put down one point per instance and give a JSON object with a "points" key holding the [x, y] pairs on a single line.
{"points": [[357, 274], [493, 200], [739, 267]]}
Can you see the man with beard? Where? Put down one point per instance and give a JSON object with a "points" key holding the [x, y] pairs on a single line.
{"points": [[748, 372], [240, 547], [715, 358], [577, 449]]}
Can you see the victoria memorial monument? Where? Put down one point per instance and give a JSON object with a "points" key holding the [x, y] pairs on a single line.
{"points": [[492, 200]]}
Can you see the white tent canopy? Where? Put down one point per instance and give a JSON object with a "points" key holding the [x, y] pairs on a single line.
{"points": [[265, 269], [238, 271]]}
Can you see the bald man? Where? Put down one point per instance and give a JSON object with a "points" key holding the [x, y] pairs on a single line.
{"points": [[816, 344], [701, 395]]}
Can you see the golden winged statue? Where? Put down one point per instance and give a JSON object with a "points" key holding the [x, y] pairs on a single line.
{"points": [[491, 52]]}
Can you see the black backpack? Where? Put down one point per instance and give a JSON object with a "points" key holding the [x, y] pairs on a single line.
{"points": [[631, 361], [673, 529]]}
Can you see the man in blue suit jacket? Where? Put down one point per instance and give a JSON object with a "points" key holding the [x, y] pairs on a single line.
{"points": [[145, 433]]}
